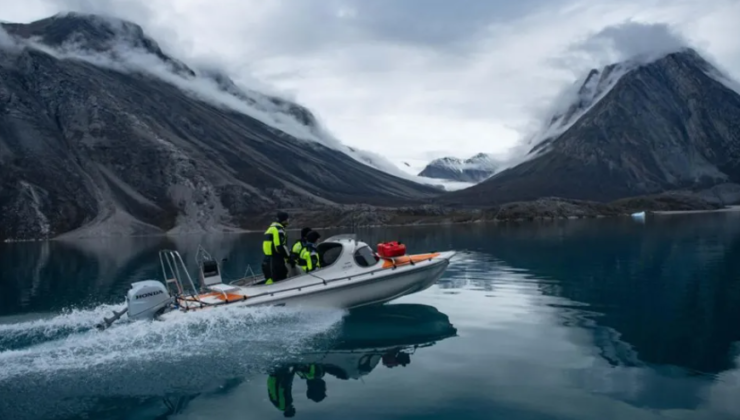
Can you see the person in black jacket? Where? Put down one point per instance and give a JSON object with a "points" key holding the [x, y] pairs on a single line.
{"points": [[275, 249]]}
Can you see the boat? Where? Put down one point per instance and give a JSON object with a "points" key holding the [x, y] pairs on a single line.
{"points": [[351, 275]]}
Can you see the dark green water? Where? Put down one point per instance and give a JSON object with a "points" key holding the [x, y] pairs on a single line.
{"points": [[575, 320]]}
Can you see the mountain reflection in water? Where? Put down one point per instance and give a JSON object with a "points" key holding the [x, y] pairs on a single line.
{"points": [[610, 319]]}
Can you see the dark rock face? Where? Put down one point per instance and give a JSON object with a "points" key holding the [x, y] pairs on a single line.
{"points": [[664, 126], [83, 146], [475, 169], [93, 33]]}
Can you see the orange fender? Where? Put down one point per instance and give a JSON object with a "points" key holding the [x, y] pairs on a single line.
{"points": [[407, 259]]}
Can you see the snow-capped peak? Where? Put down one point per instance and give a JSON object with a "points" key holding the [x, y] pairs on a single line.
{"points": [[482, 161], [451, 163], [575, 101], [474, 169], [580, 97]]}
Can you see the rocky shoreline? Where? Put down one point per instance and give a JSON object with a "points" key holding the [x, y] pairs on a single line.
{"points": [[550, 208]]}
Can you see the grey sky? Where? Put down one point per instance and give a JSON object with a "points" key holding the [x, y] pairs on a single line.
{"points": [[414, 79]]}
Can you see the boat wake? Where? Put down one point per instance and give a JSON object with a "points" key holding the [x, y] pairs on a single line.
{"points": [[69, 341], [50, 327], [65, 355]]}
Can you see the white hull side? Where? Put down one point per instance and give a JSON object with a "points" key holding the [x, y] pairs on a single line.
{"points": [[361, 290]]}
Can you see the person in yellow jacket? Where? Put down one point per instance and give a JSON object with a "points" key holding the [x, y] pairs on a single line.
{"points": [[280, 386], [275, 249], [309, 257], [280, 390], [295, 252]]}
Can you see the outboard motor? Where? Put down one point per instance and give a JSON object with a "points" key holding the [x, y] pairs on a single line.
{"points": [[146, 299]]}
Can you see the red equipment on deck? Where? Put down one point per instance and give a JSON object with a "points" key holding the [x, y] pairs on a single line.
{"points": [[391, 249]]}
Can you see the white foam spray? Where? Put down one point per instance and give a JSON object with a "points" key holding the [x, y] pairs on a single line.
{"points": [[70, 343], [73, 364]]}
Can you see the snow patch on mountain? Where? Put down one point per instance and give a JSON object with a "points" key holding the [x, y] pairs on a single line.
{"points": [[449, 185], [472, 170], [404, 170], [481, 161], [574, 102]]}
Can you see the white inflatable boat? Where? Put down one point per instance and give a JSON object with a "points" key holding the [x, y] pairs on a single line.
{"points": [[351, 275]]}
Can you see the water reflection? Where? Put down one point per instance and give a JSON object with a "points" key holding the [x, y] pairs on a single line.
{"points": [[349, 350], [659, 302], [388, 336], [672, 292], [581, 319], [57, 275], [669, 288]]}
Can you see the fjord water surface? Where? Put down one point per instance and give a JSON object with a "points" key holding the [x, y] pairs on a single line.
{"points": [[611, 319]]}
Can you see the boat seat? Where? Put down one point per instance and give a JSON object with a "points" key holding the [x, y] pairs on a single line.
{"points": [[211, 278], [222, 288]]}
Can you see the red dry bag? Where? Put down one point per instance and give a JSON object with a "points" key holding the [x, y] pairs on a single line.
{"points": [[391, 249]]}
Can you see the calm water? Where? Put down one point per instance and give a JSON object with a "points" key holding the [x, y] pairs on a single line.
{"points": [[573, 320]]}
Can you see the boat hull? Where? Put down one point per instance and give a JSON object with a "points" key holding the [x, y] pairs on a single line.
{"points": [[351, 276], [375, 290]]}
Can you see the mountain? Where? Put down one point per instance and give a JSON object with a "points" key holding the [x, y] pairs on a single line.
{"points": [[101, 132], [475, 169], [634, 128]]}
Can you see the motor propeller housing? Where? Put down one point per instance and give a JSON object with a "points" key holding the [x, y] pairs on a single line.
{"points": [[145, 299]]}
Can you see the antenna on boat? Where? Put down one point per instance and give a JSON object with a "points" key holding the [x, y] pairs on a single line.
{"points": [[353, 228]]}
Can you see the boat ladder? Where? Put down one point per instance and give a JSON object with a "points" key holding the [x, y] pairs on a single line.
{"points": [[172, 268]]}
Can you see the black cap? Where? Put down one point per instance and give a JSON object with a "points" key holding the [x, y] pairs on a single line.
{"points": [[403, 358], [316, 390], [282, 216], [305, 231], [313, 236]]}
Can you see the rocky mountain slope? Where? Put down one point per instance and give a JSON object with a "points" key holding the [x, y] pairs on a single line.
{"points": [[475, 169], [634, 129], [101, 132]]}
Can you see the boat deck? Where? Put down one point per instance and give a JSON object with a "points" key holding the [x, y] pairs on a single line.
{"points": [[219, 294]]}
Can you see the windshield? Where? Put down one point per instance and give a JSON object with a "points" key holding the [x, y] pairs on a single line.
{"points": [[365, 257]]}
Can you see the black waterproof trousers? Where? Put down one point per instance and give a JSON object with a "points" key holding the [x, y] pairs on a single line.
{"points": [[274, 268]]}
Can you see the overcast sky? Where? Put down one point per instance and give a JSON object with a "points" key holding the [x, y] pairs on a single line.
{"points": [[416, 79]]}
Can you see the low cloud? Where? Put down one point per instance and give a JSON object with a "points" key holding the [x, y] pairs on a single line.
{"points": [[403, 77], [122, 56], [634, 41], [7, 42], [625, 44]]}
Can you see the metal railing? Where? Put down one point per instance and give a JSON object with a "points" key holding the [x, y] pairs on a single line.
{"points": [[172, 266]]}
